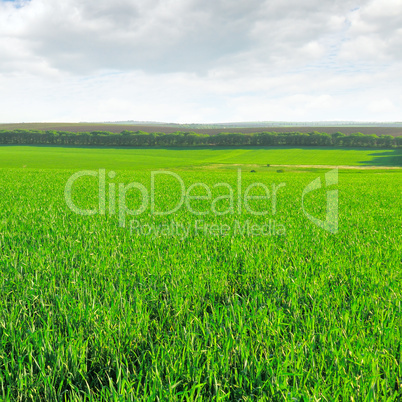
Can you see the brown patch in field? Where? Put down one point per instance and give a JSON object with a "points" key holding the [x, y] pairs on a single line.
{"points": [[340, 167], [223, 165]]}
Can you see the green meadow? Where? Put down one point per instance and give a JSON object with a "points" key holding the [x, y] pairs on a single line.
{"points": [[43, 157], [228, 298]]}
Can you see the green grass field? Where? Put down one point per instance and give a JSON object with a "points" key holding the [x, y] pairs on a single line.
{"points": [[188, 307], [120, 159]]}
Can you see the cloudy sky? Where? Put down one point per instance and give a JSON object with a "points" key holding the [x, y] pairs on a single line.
{"points": [[200, 60]]}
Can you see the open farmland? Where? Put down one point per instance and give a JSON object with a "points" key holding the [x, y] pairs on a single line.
{"points": [[117, 128], [150, 158], [199, 307]]}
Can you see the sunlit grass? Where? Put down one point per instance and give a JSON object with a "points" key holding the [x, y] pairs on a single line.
{"points": [[90, 310], [43, 157]]}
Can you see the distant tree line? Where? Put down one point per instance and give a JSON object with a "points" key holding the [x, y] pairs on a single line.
{"points": [[190, 139]]}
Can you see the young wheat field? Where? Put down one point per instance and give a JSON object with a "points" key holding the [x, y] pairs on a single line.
{"points": [[228, 298]]}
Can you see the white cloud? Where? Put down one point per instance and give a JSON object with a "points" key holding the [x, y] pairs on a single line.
{"points": [[200, 60], [171, 35], [383, 105], [375, 32]]}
